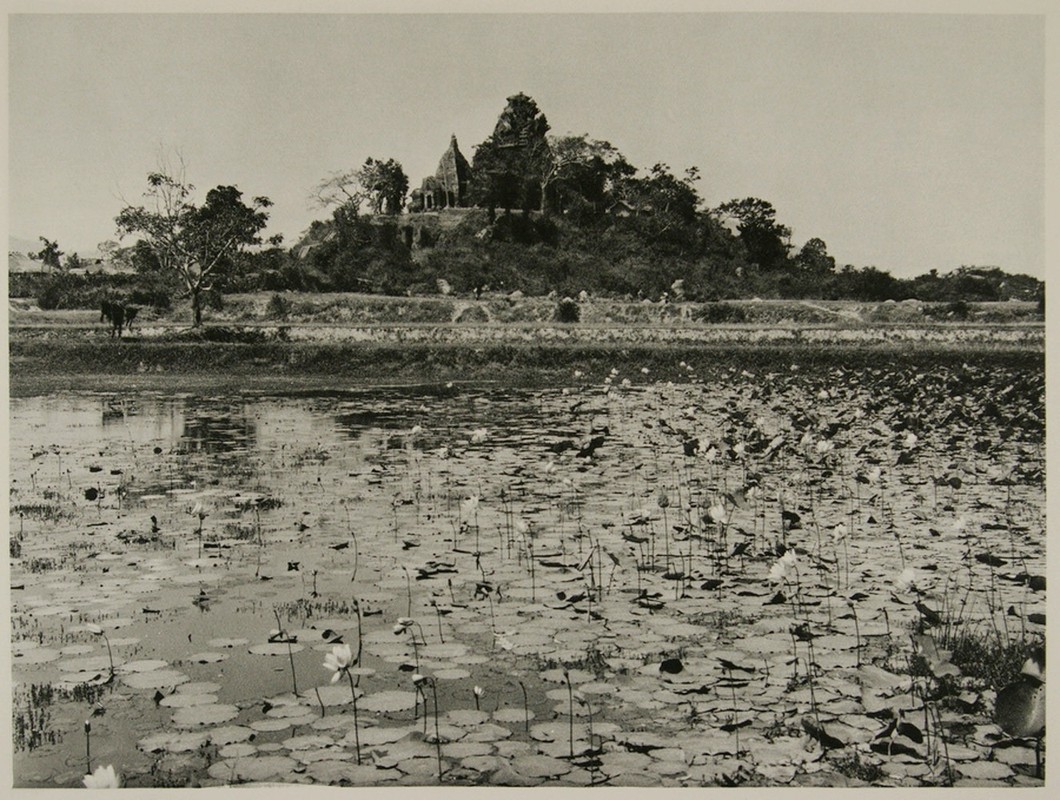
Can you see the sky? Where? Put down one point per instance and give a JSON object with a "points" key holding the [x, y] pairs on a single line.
{"points": [[904, 141]]}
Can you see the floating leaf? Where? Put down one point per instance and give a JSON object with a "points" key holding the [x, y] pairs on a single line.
{"points": [[388, 702], [211, 714], [156, 679]]}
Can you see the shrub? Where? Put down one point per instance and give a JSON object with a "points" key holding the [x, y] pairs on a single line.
{"points": [[473, 314], [568, 310], [278, 307], [714, 313]]}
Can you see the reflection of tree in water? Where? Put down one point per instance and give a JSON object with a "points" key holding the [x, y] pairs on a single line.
{"points": [[217, 430], [115, 411]]}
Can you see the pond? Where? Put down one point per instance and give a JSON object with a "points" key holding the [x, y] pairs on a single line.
{"points": [[743, 578]]}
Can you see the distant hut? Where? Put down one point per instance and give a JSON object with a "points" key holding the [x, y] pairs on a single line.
{"points": [[448, 187]]}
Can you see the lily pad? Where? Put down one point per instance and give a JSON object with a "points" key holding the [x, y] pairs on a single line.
{"points": [[254, 770], [540, 766], [168, 742], [276, 648], [146, 665], [389, 702], [178, 700], [227, 644], [195, 716], [39, 655], [207, 658], [156, 679]]}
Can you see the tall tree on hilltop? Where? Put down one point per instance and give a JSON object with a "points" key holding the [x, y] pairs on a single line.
{"points": [[381, 185], [510, 166], [194, 242], [814, 257], [581, 170], [385, 183], [766, 240]]}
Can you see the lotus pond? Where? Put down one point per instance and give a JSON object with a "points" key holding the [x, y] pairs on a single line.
{"points": [[810, 575]]}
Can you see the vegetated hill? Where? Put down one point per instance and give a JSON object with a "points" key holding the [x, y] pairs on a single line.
{"points": [[601, 253]]}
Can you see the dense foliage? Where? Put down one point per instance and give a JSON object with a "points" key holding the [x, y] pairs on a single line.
{"points": [[564, 214]]}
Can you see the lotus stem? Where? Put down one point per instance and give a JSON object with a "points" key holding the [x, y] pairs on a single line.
{"points": [[88, 747], [526, 707], [323, 713], [570, 710], [437, 734], [290, 653], [356, 721]]}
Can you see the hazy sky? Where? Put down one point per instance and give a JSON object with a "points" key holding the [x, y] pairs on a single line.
{"points": [[904, 141]]}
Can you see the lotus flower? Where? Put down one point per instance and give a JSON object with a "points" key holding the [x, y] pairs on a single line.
{"points": [[825, 446], [479, 435], [199, 511], [717, 513], [578, 373], [338, 660], [418, 679], [416, 430], [93, 628], [469, 506], [906, 580], [910, 440], [478, 691], [102, 778], [839, 532], [875, 474], [783, 567]]}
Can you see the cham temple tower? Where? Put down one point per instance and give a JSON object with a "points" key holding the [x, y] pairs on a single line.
{"points": [[448, 187]]}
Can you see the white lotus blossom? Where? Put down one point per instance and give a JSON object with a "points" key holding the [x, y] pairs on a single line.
{"points": [[783, 567], [479, 435], [910, 440], [825, 446], [416, 430], [338, 660], [93, 628], [469, 506], [717, 512], [874, 475], [839, 532], [478, 691], [906, 580], [102, 778]]}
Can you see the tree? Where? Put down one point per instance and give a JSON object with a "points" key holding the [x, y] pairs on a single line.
{"points": [[581, 169], [766, 240], [385, 183], [50, 254], [510, 166], [195, 242], [813, 257], [381, 185]]}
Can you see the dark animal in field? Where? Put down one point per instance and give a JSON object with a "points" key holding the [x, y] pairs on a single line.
{"points": [[120, 316]]}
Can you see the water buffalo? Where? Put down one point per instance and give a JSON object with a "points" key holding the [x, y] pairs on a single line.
{"points": [[120, 316]]}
